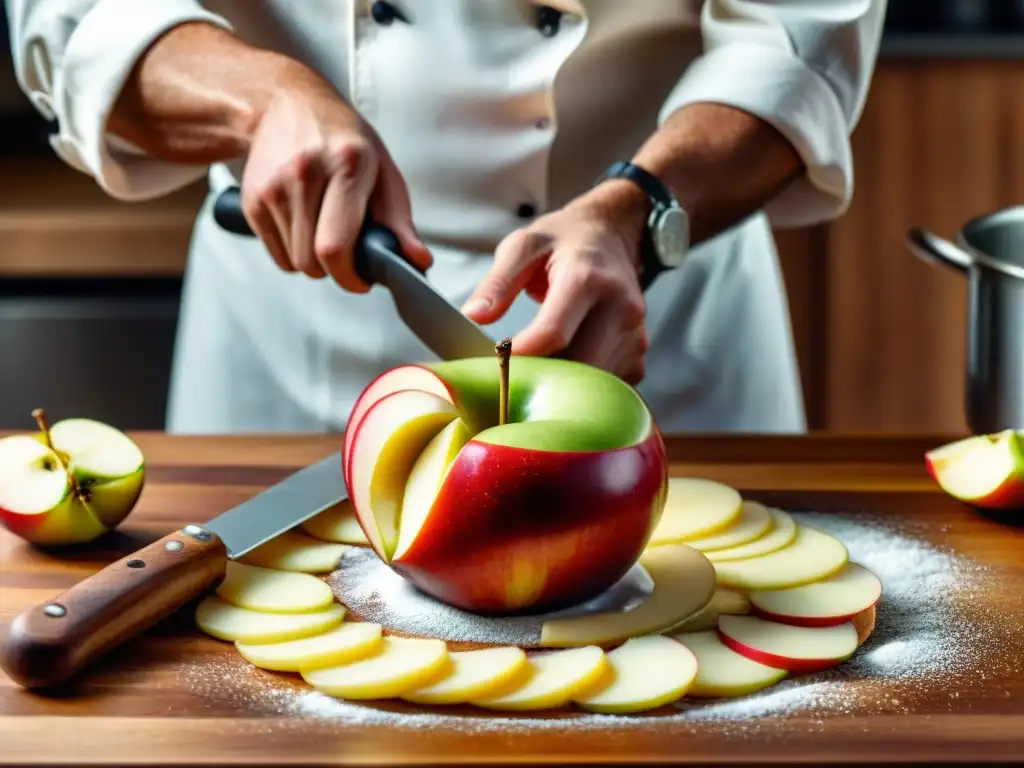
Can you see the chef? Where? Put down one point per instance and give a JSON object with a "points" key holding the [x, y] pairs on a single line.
{"points": [[596, 178]]}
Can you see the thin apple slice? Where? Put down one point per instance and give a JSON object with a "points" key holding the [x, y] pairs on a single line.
{"points": [[341, 645], [397, 666], [813, 556], [221, 619], [425, 481], [297, 552], [780, 535], [272, 591], [983, 470], [794, 649], [552, 679], [388, 440], [721, 672], [405, 377], [695, 507], [684, 582], [338, 524], [753, 522], [724, 601], [833, 600], [473, 674], [646, 673]]}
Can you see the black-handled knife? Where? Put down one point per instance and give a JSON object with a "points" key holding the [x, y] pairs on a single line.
{"points": [[379, 260]]}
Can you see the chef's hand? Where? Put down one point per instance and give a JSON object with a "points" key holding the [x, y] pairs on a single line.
{"points": [[582, 264], [314, 170]]}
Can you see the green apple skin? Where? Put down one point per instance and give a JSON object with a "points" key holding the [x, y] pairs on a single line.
{"points": [[105, 502], [549, 509]]}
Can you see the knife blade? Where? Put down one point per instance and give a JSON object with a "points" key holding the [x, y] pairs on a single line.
{"points": [[49, 644], [378, 260]]}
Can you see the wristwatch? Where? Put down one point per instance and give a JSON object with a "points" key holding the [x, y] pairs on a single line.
{"points": [[666, 237]]}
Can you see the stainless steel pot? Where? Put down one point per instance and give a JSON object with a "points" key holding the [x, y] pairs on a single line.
{"points": [[989, 251]]}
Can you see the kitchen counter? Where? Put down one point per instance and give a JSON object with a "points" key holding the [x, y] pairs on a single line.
{"points": [[175, 696]]}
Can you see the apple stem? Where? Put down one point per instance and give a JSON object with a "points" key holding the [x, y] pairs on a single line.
{"points": [[40, 416], [504, 351]]}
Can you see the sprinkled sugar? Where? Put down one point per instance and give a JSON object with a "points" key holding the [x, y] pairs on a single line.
{"points": [[934, 640]]}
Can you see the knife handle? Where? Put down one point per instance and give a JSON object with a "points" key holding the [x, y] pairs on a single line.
{"points": [[376, 248], [49, 644]]}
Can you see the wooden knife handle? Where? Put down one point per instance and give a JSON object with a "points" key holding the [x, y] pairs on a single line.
{"points": [[49, 644]]}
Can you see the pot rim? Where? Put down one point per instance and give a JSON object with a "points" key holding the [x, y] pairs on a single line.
{"points": [[984, 259]]}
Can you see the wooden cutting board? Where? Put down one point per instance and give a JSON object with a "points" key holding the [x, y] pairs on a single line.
{"points": [[177, 697]]}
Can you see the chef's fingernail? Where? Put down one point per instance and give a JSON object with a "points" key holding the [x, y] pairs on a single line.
{"points": [[475, 306]]}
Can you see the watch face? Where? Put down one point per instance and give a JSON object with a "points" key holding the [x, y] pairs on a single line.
{"points": [[671, 235]]}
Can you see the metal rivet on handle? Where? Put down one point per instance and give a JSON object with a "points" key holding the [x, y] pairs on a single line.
{"points": [[136, 564], [174, 546], [55, 610], [197, 533]]}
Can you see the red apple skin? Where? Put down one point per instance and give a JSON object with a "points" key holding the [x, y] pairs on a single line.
{"points": [[571, 522], [795, 666], [805, 621]]}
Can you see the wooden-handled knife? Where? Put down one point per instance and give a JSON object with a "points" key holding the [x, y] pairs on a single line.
{"points": [[49, 644]]}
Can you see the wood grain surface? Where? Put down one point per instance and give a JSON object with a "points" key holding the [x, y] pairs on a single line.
{"points": [[176, 697]]}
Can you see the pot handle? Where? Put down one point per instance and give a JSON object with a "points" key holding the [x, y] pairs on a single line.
{"points": [[938, 250]]}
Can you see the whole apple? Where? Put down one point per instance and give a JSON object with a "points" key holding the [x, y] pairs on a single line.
{"points": [[69, 483], [510, 486]]}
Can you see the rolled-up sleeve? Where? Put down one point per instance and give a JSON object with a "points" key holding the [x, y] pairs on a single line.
{"points": [[72, 58], [805, 68]]}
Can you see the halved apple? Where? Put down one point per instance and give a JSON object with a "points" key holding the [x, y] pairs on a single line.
{"points": [[70, 483], [984, 470], [783, 646], [534, 501], [833, 600]]}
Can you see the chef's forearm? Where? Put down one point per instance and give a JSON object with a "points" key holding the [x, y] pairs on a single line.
{"points": [[723, 164], [197, 94]]}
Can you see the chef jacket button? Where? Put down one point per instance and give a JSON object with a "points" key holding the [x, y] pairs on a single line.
{"points": [[548, 20], [386, 13], [526, 210]]}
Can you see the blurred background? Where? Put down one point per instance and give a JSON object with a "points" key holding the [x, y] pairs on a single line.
{"points": [[89, 287]]}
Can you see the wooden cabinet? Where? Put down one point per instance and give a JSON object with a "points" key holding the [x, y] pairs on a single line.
{"points": [[880, 334]]}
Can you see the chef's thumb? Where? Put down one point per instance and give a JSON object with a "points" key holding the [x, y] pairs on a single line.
{"points": [[515, 260], [390, 207]]}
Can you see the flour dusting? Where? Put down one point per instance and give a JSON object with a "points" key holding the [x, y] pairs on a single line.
{"points": [[934, 638]]}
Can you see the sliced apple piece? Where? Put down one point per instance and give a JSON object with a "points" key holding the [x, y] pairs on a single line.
{"points": [[730, 602], [780, 535], [984, 470], [397, 666], [683, 583], [551, 681], [473, 674], [695, 507], [338, 524], [721, 672], [221, 619], [341, 645], [753, 522], [425, 481], [297, 552], [388, 440], [724, 601], [813, 555], [272, 591], [833, 600], [795, 649], [404, 377], [646, 673]]}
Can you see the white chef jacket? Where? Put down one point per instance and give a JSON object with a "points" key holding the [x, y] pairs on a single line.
{"points": [[495, 111]]}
